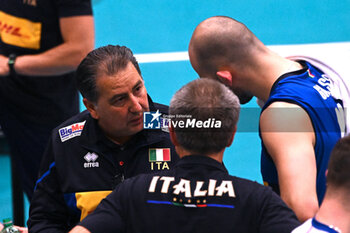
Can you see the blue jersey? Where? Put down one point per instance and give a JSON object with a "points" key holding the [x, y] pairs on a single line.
{"points": [[310, 89]]}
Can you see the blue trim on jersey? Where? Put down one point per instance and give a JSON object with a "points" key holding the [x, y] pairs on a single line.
{"points": [[202, 205], [159, 202], [45, 174], [71, 202], [323, 227], [221, 206]]}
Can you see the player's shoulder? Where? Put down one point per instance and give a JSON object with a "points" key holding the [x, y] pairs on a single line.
{"points": [[282, 116], [281, 111], [283, 104]]}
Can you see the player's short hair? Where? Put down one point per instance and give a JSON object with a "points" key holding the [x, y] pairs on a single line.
{"points": [[338, 168], [221, 41], [106, 60], [204, 100]]}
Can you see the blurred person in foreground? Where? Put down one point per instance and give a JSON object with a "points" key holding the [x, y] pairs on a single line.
{"points": [[334, 213]]}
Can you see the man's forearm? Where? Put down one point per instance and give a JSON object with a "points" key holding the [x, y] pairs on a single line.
{"points": [[78, 39], [59, 60]]}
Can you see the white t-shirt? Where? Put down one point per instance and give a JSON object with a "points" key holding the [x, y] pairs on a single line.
{"points": [[314, 226]]}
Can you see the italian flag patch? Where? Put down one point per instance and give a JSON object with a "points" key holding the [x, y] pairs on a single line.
{"points": [[159, 155]]}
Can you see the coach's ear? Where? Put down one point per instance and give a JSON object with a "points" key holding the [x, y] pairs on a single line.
{"points": [[173, 136], [91, 107], [225, 77], [230, 141]]}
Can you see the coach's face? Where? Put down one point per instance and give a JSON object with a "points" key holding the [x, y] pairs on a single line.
{"points": [[121, 103]]}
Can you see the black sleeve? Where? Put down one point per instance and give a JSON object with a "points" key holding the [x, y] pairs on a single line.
{"points": [[275, 215], [48, 211], [68, 8], [164, 109], [108, 216]]}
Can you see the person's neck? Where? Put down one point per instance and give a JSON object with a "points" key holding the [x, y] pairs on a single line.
{"points": [[333, 213], [119, 140], [216, 156], [269, 67]]}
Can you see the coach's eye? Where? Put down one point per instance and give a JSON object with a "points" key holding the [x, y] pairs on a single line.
{"points": [[138, 89]]}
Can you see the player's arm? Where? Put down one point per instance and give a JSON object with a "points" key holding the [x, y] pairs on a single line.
{"points": [[288, 135], [78, 39]]}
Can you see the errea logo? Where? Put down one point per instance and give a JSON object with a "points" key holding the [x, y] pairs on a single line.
{"points": [[90, 160]]}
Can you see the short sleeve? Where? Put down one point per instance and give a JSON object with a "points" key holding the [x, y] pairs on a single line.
{"points": [[67, 8]]}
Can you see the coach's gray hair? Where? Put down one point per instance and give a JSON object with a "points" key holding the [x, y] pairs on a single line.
{"points": [[204, 99]]}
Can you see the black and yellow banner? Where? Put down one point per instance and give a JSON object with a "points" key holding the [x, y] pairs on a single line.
{"points": [[19, 32]]}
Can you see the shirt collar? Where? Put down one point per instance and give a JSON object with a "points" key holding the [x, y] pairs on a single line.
{"points": [[324, 227], [305, 67], [201, 160]]}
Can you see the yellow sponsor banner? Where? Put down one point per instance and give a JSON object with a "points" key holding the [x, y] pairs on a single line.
{"points": [[88, 201], [19, 32]]}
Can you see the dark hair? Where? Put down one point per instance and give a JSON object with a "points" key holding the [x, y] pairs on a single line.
{"points": [[108, 60], [339, 163], [204, 100]]}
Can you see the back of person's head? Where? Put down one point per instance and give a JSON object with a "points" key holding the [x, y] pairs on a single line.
{"points": [[107, 60], [338, 176], [221, 41], [210, 114]]}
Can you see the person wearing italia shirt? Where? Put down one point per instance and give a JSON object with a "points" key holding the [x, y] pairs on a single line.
{"points": [[198, 194], [117, 137], [41, 44]]}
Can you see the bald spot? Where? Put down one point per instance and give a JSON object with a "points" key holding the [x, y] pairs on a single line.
{"points": [[221, 41]]}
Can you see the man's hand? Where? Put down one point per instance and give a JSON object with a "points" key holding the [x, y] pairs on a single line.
{"points": [[22, 229], [4, 68]]}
